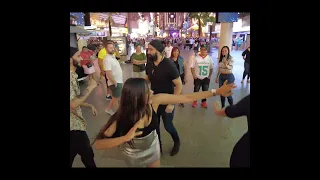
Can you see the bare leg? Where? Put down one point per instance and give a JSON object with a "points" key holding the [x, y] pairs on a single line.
{"points": [[105, 87], [111, 103], [92, 77], [115, 103], [96, 77], [108, 90], [154, 164]]}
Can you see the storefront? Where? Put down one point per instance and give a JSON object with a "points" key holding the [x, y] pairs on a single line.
{"points": [[118, 31], [102, 25], [98, 34], [76, 32]]}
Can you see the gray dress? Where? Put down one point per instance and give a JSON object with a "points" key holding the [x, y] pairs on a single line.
{"points": [[145, 152]]}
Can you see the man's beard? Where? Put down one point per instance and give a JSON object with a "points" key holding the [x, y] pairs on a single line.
{"points": [[112, 52], [153, 57]]}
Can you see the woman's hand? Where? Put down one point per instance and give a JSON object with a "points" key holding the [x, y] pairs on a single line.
{"points": [[93, 110], [169, 108], [132, 133], [217, 81], [226, 89]]}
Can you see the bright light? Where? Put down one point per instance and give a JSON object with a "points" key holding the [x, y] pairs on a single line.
{"points": [[143, 27], [133, 35], [171, 16], [90, 27]]}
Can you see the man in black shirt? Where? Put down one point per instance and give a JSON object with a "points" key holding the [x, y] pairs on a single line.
{"points": [[246, 57], [240, 156], [163, 75]]}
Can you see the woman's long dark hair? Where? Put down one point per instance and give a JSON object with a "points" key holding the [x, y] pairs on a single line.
{"points": [[132, 108], [228, 56]]}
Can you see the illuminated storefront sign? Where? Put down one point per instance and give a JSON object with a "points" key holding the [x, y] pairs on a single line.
{"points": [[98, 33], [77, 18], [98, 23]]}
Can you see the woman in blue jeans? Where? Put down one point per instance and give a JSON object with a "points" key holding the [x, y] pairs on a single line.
{"points": [[225, 68]]}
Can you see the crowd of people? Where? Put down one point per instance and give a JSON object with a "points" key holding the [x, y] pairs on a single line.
{"points": [[137, 105]]}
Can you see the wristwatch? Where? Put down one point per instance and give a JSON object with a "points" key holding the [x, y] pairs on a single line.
{"points": [[214, 91]]}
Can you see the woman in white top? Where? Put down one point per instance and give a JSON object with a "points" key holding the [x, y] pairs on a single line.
{"points": [[225, 68]]}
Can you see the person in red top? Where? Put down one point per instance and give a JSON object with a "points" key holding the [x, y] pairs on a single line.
{"points": [[87, 64]]}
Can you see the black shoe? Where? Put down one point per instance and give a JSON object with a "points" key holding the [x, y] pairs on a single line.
{"points": [[181, 105], [108, 98], [175, 148]]}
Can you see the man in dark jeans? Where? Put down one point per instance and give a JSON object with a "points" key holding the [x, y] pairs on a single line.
{"points": [[240, 156], [79, 141], [163, 75], [201, 69], [246, 57]]}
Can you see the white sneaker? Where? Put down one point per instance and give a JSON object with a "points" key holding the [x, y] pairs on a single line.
{"points": [[109, 111]]}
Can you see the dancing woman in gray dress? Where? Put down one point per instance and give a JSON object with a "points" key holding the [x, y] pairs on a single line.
{"points": [[133, 126]]}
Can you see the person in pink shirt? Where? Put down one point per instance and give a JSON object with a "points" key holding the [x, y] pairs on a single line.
{"points": [[87, 63]]}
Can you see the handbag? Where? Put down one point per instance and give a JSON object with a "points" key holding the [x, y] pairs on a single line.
{"points": [[142, 67], [89, 65]]}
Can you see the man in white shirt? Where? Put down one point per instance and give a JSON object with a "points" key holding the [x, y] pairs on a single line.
{"points": [[115, 79], [168, 50], [202, 69]]}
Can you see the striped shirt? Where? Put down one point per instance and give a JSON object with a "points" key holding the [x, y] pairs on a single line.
{"points": [[226, 65]]}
